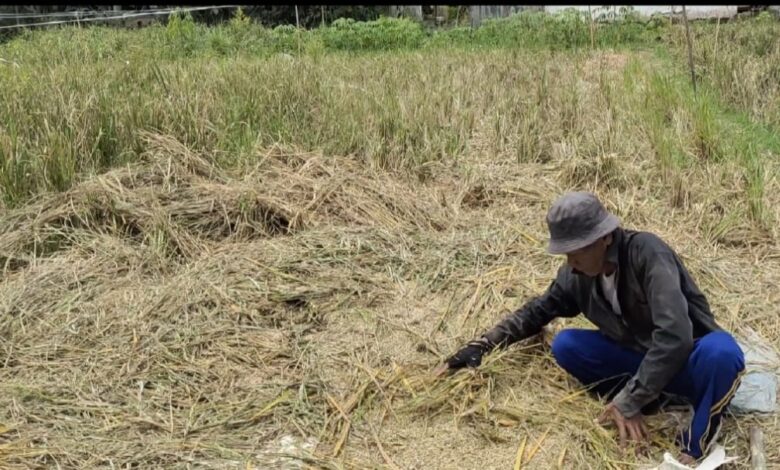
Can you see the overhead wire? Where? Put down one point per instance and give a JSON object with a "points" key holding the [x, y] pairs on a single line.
{"points": [[72, 13], [115, 17]]}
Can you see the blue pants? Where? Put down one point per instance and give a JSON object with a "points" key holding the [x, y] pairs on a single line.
{"points": [[709, 379]]}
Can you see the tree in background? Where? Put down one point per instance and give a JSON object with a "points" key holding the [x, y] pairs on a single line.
{"points": [[309, 16]]}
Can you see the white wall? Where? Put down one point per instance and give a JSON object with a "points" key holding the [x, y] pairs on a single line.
{"points": [[694, 11]]}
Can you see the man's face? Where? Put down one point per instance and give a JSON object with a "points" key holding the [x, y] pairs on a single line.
{"points": [[590, 259]]}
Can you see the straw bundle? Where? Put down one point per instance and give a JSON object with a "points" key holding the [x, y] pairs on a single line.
{"points": [[175, 314]]}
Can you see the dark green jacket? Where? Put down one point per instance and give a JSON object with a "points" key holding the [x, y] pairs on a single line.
{"points": [[663, 311]]}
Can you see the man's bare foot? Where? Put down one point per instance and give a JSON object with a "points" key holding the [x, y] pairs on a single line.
{"points": [[686, 459]]}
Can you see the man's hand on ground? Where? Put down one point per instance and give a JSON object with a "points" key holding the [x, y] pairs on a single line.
{"points": [[629, 428], [468, 356]]}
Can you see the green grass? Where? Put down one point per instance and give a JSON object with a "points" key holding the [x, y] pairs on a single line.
{"points": [[182, 37], [390, 93], [741, 60]]}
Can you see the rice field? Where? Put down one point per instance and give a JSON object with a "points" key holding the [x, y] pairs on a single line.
{"points": [[234, 247]]}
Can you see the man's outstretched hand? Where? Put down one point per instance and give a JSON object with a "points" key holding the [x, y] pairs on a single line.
{"points": [[629, 428], [468, 356]]}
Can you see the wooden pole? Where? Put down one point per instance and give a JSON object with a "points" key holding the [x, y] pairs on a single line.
{"points": [[322, 10], [297, 29], [757, 457], [690, 48], [592, 38], [717, 31]]}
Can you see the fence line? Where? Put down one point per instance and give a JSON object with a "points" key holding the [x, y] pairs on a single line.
{"points": [[116, 17]]}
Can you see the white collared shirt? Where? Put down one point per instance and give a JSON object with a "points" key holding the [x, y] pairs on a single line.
{"points": [[610, 290]]}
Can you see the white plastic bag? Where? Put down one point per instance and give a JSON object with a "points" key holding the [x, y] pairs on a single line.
{"points": [[716, 458], [758, 390]]}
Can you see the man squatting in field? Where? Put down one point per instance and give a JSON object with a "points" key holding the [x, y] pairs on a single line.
{"points": [[656, 332]]}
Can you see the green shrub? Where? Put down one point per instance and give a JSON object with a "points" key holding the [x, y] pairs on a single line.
{"points": [[286, 38], [240, 22], [462, 36], [181, 34], [219, 42], [382, 34]]}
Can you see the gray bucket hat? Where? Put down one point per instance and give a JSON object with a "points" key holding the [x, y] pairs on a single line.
{"points": [[576, 220]]}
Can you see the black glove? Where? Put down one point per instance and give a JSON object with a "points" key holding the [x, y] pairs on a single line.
{"points": [[470, 355]]}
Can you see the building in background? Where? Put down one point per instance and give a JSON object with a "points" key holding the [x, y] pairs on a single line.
{"points": [[478, 13], [693, 11]]}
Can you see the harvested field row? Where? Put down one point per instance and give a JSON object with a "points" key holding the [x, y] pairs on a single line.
{"points": [[172, 314]]}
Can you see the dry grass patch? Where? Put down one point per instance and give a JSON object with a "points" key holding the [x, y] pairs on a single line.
{"points": [[179, 315]]}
